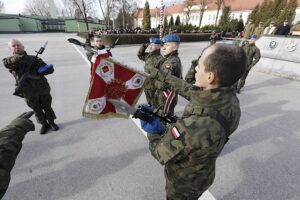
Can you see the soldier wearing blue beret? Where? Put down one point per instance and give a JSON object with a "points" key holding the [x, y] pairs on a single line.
{"points": [[151, 59], [167, 99]]}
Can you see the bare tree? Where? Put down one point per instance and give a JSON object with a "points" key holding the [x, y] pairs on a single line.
{"points": [[188, 5], [219, 4], [2, 7], [83, 9], [107, 7], [37, 7], [202, 7], [69, 9]]}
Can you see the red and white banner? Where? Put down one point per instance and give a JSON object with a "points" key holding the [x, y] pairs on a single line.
{"points": [[111, 80]]}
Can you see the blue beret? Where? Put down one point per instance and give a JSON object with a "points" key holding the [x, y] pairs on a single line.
{"points": [[171, 38], [155, 40], [253, 36]]}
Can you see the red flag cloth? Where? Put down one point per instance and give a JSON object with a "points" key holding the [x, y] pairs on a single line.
{"points": [[111, 80]]}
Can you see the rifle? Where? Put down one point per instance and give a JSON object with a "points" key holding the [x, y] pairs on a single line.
{"points": [[89, 48], [141, 112], [27, 74]]}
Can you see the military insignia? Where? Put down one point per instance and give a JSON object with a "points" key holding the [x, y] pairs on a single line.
{"points": [[137, 81], [175, 132], [105, 69], [96, 105], [273, 44], [115, 89], [291, 45]]}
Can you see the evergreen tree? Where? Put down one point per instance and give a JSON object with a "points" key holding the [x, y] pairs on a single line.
{"points": [[240, 25], [177, 21], [291, 9], [224, 22], [254, 16], [276, 9], [284, 12], [146, 23], [165, 26], [171, 22], [127, 18]]}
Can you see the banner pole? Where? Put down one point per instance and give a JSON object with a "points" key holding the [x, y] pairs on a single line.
{"points": [[161, 19]]}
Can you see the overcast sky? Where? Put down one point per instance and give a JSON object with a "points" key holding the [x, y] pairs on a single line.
{"points": [[16, 6]]}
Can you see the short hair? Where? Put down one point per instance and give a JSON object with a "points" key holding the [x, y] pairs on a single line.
{"points": [[14, 40], [97, 36], [228, 62]]}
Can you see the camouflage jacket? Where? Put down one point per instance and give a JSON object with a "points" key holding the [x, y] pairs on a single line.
{"points": [[18, 65], [171, 63], [151, 60], [89, 55], [11, 138], [190, 75], [253, 54], [190, 157]]}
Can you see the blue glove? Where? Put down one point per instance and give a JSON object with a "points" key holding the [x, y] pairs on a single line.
{"points": [[45, 68], [155, 126]]}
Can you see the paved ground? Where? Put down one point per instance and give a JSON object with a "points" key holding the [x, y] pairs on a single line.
{"points": [[109, 160]]}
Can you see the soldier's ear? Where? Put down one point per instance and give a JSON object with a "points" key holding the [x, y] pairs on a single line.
{"points": [[211, 78]]}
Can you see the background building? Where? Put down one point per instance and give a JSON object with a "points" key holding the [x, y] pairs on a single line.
{"points": [[239, 9]]}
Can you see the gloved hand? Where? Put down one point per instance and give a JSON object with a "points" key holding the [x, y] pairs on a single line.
{"points": [[24, 122], [155, 126], [45, 69]]}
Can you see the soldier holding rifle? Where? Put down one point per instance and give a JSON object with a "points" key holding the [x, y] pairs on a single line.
{"points": [[29, 72]]}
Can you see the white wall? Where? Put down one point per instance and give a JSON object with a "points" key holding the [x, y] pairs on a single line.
{"points": [[209, 17]]}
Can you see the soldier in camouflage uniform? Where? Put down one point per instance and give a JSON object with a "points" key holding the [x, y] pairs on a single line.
{"points": [[167, 99], [98, 45], [35, 89], [151, 60], [253, 56], [11, 138], [189, 148]]}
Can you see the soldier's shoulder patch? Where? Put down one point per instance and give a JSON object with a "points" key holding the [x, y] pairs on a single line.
{"points": [[176, 134]]}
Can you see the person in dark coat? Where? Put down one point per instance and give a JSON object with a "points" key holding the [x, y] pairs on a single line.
{"points": [[29, 72], [284, 29], [11, 137]]}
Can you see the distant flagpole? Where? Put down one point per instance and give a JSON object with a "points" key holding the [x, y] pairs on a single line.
{"points": [[161, 19]]}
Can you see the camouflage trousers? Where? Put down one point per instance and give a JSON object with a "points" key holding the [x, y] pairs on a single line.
{"points": [[242, 80], [179, 190], [41, 105]]}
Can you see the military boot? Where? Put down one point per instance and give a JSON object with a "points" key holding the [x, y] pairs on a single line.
{"points": [[44, 129], [53, 126]]}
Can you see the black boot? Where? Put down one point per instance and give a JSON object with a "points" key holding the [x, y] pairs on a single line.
{"points": [[44, 129], [53, 126]]}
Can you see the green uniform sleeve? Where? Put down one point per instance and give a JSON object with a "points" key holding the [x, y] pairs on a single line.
{"points": [[190, 76], [10, 145], [180, 86], [13, 62], [141, 53], [164, 147]]}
